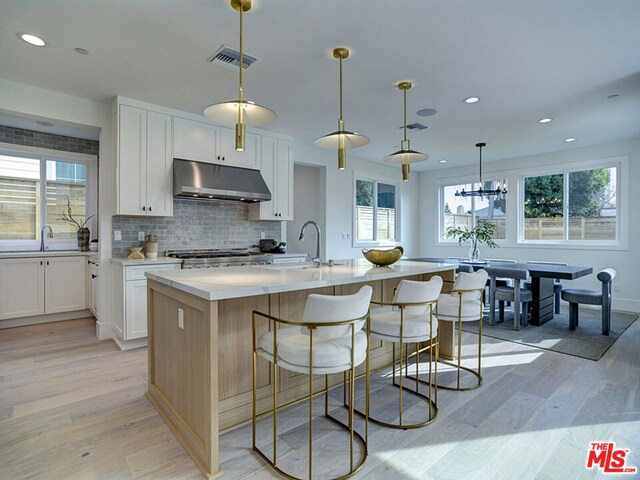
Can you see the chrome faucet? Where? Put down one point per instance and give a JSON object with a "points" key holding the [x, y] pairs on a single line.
{"points": [[317, 260], [42, 235]]}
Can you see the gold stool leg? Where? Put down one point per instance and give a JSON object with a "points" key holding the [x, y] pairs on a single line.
{"points": [[310, 404]]}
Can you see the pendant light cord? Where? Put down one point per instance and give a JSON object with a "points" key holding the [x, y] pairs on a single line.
{"points": [[480, 168], [405, 115], [340, 121]]}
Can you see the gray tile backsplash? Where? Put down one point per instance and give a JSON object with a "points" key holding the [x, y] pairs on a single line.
{"points": [[196, 224]]}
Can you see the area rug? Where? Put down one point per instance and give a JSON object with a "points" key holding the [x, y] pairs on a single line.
{"points": [[586, 341]]}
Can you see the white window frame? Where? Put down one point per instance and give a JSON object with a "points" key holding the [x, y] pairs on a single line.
{"points": [[368, 177], [442, 238], [622, 203], [44, 154]]}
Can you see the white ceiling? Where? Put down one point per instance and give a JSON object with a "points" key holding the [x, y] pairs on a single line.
{"points": [[525, 59]]}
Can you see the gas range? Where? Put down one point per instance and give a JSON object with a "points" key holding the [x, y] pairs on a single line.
{"points": [[215, 258]]}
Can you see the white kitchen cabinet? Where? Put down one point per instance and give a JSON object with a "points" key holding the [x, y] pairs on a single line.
{"points": [[93, 287], [144, 162], [227, 154], [130, 303], [21, 287], [65, 284], [194, 140], [277, 171]]}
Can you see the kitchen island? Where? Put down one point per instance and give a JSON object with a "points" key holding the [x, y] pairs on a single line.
{"points": [[200, 339]]}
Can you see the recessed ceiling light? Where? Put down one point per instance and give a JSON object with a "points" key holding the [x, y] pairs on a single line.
{"points": [[426, 112], [472, 100], [611, 97], [81, 51], [545, 120], [443, 161], [33, 40], [44, 123], [570, 139]]}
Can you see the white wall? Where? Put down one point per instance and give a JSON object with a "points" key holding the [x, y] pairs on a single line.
{"points": [[308, 196], [625, 260], [27, 100], [339, 200]]}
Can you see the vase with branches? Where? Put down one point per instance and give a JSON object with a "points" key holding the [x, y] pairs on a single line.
{"points": [[82, 231], [482, 233]]}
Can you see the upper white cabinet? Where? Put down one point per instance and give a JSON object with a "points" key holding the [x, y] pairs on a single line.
{"points": [[21, 287], [205, 142], [194, 140], [277, 171], [144, 162]]}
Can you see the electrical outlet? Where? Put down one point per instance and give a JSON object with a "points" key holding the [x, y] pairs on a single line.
{"points": [[141, 236], [181, 319], [117, 235], [346, 236], [262, 236]]}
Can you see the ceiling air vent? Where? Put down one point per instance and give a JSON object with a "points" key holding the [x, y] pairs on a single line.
{"points": [[414, 126], [229, 58]]}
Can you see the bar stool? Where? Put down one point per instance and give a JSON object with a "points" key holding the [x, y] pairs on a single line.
{"points": [[464, 304], [328, 340], [410, 318]]}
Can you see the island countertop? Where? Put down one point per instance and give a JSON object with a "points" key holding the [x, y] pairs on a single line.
{"points": [[236, 282]]}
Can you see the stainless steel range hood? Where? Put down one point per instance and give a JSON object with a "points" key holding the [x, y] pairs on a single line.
{"points": [[197, 180]]}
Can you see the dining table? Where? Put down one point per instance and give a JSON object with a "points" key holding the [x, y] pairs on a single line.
{"points": [[542, 279]]}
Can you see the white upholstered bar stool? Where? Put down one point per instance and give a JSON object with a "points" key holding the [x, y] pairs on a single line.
{"points": [[411, 318], [328, 340], [464, 304]]}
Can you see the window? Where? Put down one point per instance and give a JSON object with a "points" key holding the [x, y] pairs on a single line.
{"points": [[375, 200], [464, 211], [576, 206], [34, 191]]}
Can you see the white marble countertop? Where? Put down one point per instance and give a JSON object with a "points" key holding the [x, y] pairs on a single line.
{"points": [[124, 261], [236, 282], [48, 253]]}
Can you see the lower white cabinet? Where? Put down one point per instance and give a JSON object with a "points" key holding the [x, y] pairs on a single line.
{"points": [[93, 287], [21, 287], [130, 302], [65, 283], [41, 285]]}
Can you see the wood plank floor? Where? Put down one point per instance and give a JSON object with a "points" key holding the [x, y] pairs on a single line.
{"points": [[72, 407]]}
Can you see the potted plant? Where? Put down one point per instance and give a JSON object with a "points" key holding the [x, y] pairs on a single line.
{"points": [[482, 233], [81, 225]]}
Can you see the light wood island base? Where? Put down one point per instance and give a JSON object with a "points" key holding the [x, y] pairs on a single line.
{"points": [[200, 376]]}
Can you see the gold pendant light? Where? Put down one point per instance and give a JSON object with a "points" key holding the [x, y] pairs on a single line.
{"points": [[341, 138], [240, 112], [405, 156]]}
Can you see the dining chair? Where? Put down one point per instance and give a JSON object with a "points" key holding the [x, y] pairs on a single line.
{"points": [[557, 285], [329, 339], [514, 294], [575, 296]]}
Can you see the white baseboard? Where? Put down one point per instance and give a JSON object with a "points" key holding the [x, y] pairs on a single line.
{"points": [[38, 319], [103, 330], [130, 344], [626, 305]]}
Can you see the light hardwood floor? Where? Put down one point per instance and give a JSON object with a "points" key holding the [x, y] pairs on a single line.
{"points": [[74, 408]]}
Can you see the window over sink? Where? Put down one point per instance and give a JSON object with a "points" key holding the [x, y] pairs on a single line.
{"points": [[34, 190], [376, 212]]}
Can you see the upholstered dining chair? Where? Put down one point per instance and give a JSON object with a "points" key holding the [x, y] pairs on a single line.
{"points": [[576, 296], [329, 339], [411, 319], [505, 293], [464, 304]]}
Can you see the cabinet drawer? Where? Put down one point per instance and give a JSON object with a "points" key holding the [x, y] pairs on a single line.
{"points": [[137, 272]]}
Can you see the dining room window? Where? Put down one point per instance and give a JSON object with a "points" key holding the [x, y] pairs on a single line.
{"points": [[459, 211], [376, 219], [575, 206], [35, 190]]}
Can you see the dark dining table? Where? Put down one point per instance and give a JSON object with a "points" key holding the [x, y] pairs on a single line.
{"points": [[542, 279]]}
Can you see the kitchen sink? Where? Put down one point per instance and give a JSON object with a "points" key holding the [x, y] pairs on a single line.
{"points": [[298, 266]]}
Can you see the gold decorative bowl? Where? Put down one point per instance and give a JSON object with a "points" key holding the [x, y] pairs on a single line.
{"points": [[383, 257]]}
